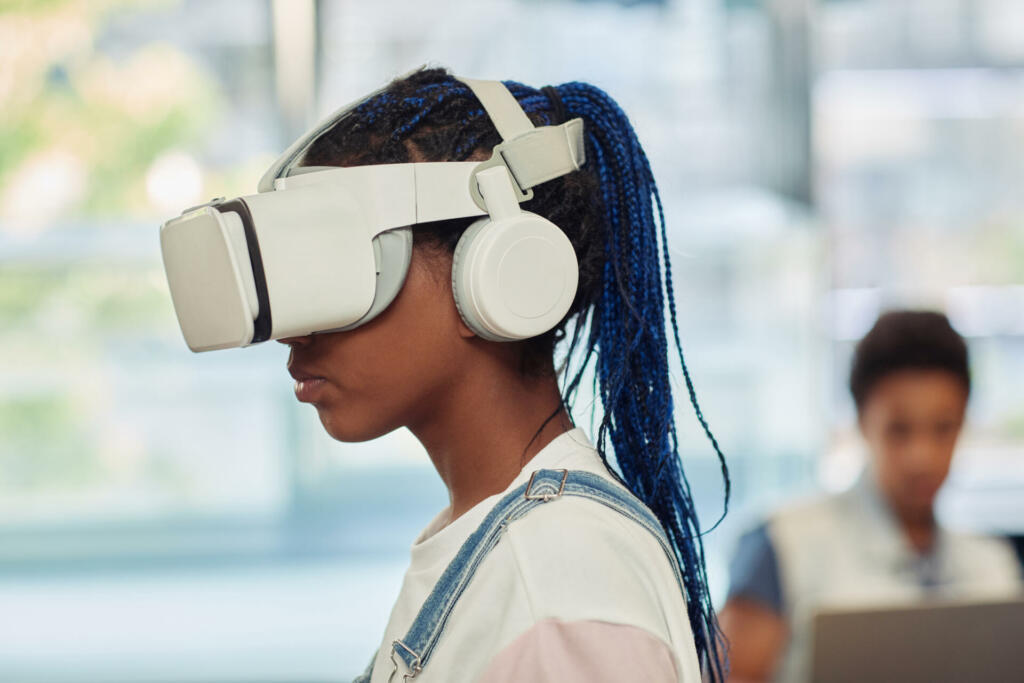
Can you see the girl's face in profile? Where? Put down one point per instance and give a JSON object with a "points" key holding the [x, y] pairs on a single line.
{"points": [[911, 420], [391, 371]]}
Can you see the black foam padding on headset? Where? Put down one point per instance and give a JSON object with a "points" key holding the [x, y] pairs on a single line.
{"points": [[263, 324]]}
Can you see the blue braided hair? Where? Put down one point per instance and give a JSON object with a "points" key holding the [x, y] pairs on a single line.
{"points": [[612, 213]]}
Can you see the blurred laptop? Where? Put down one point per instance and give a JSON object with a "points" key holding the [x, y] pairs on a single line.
{"points": [[933, 642]]}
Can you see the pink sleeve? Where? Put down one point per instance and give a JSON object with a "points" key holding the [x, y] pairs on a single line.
{"points": [[577, 651]]}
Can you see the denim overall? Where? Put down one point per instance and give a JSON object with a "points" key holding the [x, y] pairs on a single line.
{"points": [[412, 652]]}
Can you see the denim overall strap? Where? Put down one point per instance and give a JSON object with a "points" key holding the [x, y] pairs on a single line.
{"points": [[412, 652]]}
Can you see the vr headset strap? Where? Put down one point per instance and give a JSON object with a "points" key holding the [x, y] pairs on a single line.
{"points": [[532, 155], [293, 154], [506, 114]]}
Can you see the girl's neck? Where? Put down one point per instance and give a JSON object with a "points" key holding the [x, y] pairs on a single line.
{"points": [[483, 431]]}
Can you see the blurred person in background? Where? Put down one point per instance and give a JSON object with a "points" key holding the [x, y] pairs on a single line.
{"points": [[879, 541]]}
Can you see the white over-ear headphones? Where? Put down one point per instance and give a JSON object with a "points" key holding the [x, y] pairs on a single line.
{"points": [[514, 273]]}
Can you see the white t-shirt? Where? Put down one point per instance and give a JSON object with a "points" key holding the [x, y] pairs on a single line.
{"points": [[572, 591]]}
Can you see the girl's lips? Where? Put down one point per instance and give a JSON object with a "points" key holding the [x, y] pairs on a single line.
{"points": [[306, 390]]}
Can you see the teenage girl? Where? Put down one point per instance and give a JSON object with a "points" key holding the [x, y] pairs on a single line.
{"points": [[573, 589]]}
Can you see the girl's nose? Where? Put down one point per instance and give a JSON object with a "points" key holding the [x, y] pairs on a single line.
{"points": [[293, 342]]}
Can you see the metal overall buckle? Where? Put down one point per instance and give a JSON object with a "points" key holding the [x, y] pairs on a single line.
{"points": [[417, 663], [545, 497]]}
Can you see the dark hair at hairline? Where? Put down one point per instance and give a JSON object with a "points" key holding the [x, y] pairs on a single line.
{"points": [[907, 340]]}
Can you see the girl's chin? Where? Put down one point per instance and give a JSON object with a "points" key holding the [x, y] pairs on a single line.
{"points": [[345, 429]]}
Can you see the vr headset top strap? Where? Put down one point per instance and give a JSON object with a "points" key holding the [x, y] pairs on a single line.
{"points": [[283, 164], [531, 155], [506, 114]]}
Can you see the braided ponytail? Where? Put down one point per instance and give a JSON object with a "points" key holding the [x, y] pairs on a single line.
{"points": [[627, 331]]}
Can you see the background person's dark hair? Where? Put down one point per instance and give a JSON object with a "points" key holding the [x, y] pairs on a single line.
{"points": [[907, 340]]}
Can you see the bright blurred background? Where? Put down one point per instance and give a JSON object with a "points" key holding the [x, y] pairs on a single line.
{"points": [[177, 517]]}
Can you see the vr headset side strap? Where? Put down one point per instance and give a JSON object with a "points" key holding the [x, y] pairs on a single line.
{"points": [[263, 325]]}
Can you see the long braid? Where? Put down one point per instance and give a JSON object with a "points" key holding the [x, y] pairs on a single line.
{"points": [[625, 283], [634, 380]]}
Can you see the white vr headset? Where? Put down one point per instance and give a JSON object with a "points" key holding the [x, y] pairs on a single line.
{"points": [[323, 249]]}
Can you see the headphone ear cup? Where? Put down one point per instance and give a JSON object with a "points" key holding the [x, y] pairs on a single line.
{"points": [[514, 278], [459, 288]]}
